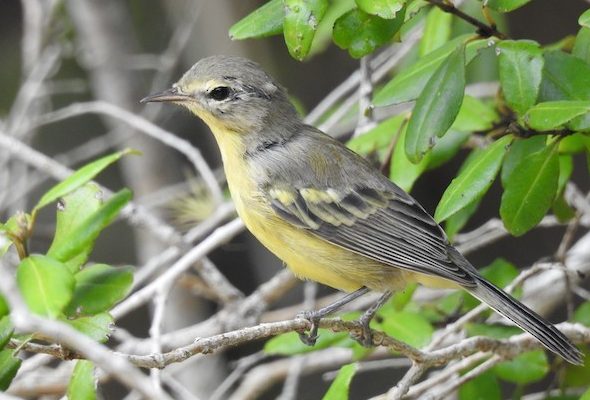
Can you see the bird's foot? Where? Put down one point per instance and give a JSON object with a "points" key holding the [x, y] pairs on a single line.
{"points": [[310, 338]]}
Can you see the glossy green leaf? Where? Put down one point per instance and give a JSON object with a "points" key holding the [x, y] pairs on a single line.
{"points": [[475, 179], [475, 115], [526, 368], [97, 327], [437, 30], [409, 83], [552, 115], [573, 144], [323, 35], [401, 298], [83, 382], [520, 149], [562, 210], [482, 387], [6, 330], [446, 148], [387, 9], [520, 67], [566, 167], [403, 172], [262, 22], [506, 5], [565, 77], [9, 366], [458, 220], [289, 344], [79, 178], [72, 211], [582, 314], [361, 33], [378, 139], [98, 288], [437, 106], [302, 18], [81, 239], [530, 192], [584, 19], [339, 389], [411, 328], [581, 47], [46, 284]]}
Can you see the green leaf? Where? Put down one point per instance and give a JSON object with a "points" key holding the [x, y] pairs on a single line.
{"points": [[493, 331], [475, 115], [410, 82], [458, 220], [46, 284], [262, 22], [402, 171], [475, 179], [446, 147], [528, 367], [323, 35], [582, 314], [289, 344], [437, 106], [377, 139], [338, 390], [566, 167], [586, 395], [6, 331], [581, 47], [79, 178], [482, 387], [437, 30], [576, 375], [506, 5], [520, 67], [4, 310], [584, 19], [411, 328], [81, 239], [72, 212], [387, 9], [302, 18], [401, 298], [530, 192], [565, 77], [520, 149], [361, 33], [573, 144], [97, 327], [98, 288], [562, 210], [552, 115], [83, 382], [9, 366]]}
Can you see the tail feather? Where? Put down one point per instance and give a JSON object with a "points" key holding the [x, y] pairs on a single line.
{"points": [[527, 320]]}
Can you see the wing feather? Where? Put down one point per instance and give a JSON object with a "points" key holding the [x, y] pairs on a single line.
{"points": [[389, 227]]}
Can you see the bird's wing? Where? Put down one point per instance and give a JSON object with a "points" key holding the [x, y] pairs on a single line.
{"points": [[384, 225]]}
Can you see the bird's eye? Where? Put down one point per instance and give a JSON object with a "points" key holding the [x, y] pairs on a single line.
{"points": [[219, 93]]}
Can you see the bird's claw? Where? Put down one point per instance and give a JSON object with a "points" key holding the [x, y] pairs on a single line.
{"points": [[310, 337]]}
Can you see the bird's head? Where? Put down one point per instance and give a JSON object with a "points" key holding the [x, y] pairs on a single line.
{"points": [[231, 94]]}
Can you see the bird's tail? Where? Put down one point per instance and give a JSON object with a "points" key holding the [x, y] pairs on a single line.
{"points": [[527, 320]]}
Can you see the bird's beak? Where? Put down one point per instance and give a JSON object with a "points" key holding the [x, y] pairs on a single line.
{"points": [[169, 95]]}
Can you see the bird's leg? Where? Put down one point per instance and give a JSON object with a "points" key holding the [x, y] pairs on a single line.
{"points": [[315, 316], [365, 319]]}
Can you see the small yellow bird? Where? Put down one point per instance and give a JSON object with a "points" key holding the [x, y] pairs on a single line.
{"points": [[324, 210]]}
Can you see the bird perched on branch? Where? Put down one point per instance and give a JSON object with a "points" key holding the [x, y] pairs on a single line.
{"points": [[324, 210]]}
